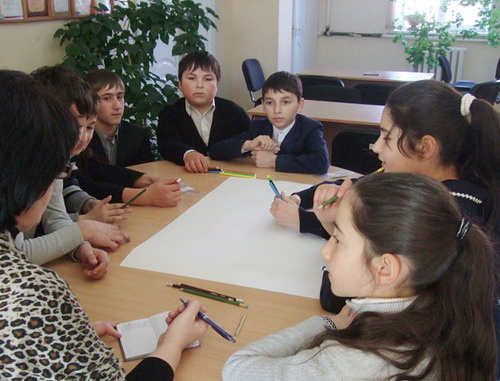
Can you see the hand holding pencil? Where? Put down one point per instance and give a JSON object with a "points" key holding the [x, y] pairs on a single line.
{"points": [[164, 193]]}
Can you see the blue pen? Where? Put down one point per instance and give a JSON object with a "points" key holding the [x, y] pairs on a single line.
{"points": [[212, 324], [273, 187]]}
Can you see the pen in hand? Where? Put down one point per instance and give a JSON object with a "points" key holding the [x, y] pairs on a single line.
{"points": [[212, 324], [273, 187]]}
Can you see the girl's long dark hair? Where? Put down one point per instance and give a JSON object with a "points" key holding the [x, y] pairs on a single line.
{"points": [[447, 332], [469, 143]]}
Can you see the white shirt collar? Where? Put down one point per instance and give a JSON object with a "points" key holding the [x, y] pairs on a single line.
{"points": [[190, 108], [280, 134]]}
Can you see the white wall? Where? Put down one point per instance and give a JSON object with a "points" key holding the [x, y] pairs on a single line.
{"points": [[29, 45], [246, 29], [381, 53]]}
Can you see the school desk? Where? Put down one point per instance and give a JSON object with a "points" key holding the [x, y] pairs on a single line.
{"points": [[127, 294], [336, 116], [352, 77]]}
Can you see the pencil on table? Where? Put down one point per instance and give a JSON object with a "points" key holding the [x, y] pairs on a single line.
{"points": [[236, 174], [209, 296], [240, 325], [133, 198], [214, 293]]}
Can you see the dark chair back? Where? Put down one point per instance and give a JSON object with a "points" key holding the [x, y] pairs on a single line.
{"points": [[497, 73], [320, 80], [254, 78], [488, 91], [352, 149], [463, 86], [375, 93], [331, 94], [445, 69]]}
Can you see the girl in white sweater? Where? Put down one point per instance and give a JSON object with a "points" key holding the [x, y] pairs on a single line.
{"points": [[423, 280]]}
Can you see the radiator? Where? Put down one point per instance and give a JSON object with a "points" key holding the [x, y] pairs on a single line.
{"points": [[456, 57]]}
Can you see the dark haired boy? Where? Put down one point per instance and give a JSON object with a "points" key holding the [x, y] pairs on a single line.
{"points": [[119, 142], [285, 140], [188, 128]]}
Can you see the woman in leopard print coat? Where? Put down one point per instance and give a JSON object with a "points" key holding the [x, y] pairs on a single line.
{"points": [[44, 332]]}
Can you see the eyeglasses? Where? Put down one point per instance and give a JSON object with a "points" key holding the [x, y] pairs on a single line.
{"points": [[66, 173]]}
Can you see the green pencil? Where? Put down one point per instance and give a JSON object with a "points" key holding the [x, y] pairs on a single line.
{"points": [[329, 201], [189, 291], [133, 199]]}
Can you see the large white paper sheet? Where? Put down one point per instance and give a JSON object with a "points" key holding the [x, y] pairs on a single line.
{"points": [[229, 236]]}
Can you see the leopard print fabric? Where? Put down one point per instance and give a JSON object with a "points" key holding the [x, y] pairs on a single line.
{"points": [[44, 332]]}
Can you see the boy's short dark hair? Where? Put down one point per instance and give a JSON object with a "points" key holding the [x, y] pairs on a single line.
{"points": [[102, 79], [199, 58], [65, 84], [283, 81]]}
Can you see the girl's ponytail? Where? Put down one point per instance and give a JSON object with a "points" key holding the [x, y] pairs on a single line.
{"points": [[479, 161]]}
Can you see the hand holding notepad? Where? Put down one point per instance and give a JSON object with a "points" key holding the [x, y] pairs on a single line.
{"points": [[140, 337]]}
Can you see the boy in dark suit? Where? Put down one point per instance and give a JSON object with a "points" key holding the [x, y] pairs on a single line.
{"points": [[188, 128], [119, 142], [285, 140]]}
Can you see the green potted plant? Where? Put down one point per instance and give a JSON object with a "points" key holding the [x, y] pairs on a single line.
{"points": [[124, 40], [423, 43], [429, 39]]}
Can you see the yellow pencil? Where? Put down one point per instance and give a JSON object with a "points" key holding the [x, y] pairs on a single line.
{"points": [[237, 175], [381, 169]]}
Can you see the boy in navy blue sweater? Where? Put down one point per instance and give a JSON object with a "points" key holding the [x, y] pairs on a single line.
{"points": [[285, 140]]}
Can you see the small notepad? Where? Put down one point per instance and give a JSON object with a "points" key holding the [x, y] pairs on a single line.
{"points": [[140, 337]]}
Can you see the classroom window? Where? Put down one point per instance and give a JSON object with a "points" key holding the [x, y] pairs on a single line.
{"points": [[442, 11]]}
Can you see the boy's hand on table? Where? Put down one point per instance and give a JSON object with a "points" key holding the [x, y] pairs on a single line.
{"points": [[261, 143], [264, 159], [165, 193], [195, 162]]}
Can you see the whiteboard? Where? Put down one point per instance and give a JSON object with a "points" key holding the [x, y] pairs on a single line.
{"points": [[358, 16]]}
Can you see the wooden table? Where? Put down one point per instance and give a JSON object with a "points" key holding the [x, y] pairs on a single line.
{"points": [[127, 294], [336, 116], [352, 77], [336, 112]]}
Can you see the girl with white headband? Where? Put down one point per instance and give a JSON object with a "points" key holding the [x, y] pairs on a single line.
{"points": [[427, 128], [422, 281]]}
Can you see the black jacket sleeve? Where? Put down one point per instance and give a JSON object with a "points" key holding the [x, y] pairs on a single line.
{"points": [[151, 369]]}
